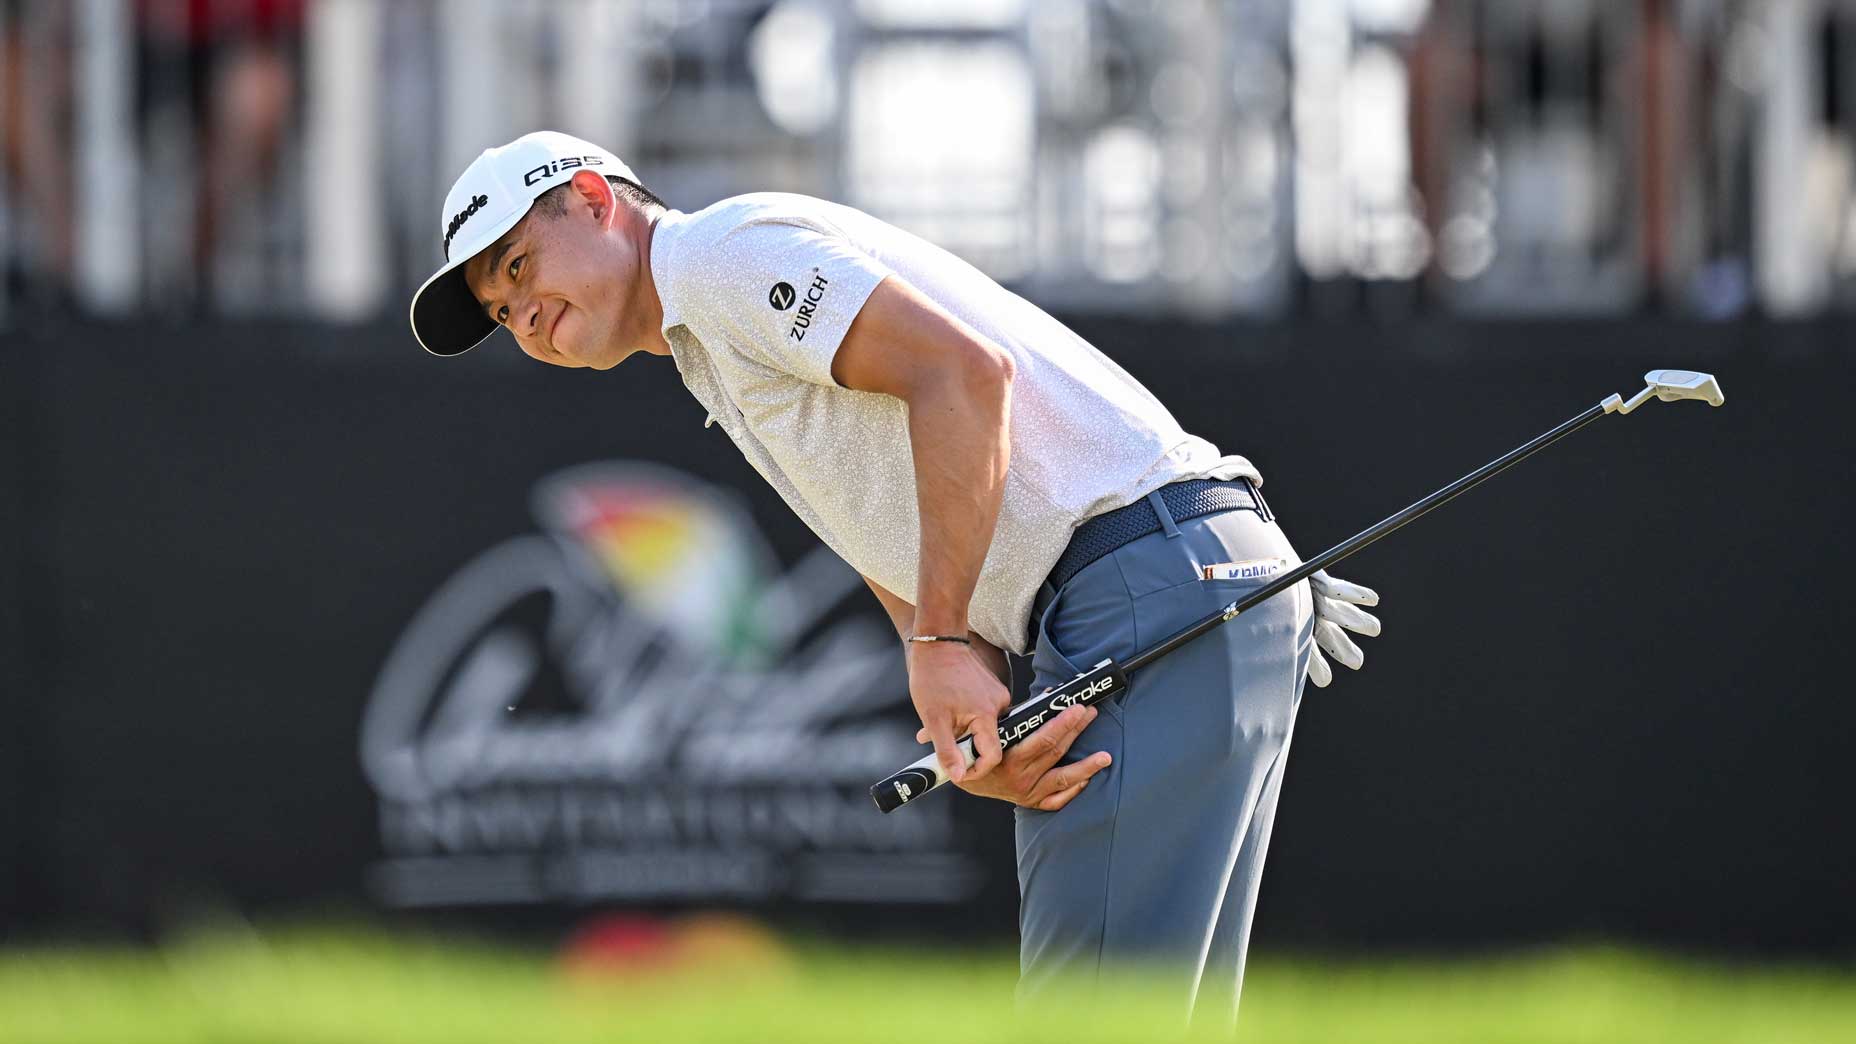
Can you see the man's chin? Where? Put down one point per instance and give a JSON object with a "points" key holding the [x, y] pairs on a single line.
{"points": [[595, 360], [609, 363]]}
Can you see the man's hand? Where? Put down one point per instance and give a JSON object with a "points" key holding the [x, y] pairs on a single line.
{"points": [[1334, 609], [1027, 775], [956, 696]]}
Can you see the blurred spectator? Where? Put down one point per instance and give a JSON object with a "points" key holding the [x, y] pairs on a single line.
{"points": [[1510, 156], [1448, 110], [1534, 142], [35, 122], [1661, 68], [233, 65]]}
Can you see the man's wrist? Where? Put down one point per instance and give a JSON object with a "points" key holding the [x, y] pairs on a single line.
{"points": [[939, 622], [935, 651]]}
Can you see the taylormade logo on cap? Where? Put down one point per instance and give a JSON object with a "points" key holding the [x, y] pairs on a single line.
{"points": [[476, 204], [487, 200]]}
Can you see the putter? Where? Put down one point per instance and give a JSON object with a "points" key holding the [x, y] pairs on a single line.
{"points": [[1107, 678]]}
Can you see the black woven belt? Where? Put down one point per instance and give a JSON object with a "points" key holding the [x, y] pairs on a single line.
{"points": [[1193, 498]]}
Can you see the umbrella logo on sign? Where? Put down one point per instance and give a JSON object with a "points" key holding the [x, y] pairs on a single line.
{"points": [[782, 296]]}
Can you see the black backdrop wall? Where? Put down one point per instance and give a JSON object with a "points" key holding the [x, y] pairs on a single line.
{"points": [[1608, 700]]}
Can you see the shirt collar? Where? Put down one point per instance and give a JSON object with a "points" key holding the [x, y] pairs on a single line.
{"points": [[666, 232]]}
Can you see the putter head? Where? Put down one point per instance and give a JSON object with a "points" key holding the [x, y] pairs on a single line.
{"points": [[1670, 386]]}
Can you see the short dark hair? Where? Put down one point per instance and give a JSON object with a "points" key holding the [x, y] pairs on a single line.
{"points": [[553, 202]]}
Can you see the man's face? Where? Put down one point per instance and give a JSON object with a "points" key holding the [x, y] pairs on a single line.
{"points": [[565, 284]]}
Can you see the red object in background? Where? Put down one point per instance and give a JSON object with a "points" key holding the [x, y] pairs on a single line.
{"points": [[205, 21], [619, 946], [619, 943]]}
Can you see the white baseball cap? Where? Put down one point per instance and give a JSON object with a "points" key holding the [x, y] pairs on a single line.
{"points": [[487, 200]]}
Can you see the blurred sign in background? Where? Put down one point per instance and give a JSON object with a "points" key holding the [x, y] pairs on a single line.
{"points": [[297, 618]]}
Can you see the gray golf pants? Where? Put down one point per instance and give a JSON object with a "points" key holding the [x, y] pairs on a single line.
{"points": [[1157, 862]]}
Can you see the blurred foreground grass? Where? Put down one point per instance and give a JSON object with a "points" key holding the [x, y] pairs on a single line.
{"points": [[354, 986]]}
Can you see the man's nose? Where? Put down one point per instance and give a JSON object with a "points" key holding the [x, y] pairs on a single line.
{"points": [[530, 316]]}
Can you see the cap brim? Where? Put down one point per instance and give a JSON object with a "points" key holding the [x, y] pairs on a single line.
{"points": [[447, 319]]}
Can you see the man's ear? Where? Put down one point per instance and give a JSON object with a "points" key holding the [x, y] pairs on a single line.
{"points": [[592, 191]]}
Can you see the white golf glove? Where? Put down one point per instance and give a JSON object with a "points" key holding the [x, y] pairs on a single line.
{"points": [[1334, 609]]}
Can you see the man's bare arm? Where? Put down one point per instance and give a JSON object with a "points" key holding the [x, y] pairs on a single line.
{"points": [[958, 386], [902, 614]]}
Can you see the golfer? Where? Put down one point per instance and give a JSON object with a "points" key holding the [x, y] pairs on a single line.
{"points": [[1001, 485]]}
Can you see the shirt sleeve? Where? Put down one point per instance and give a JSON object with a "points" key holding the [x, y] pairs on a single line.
{"points": [[785, 294]]}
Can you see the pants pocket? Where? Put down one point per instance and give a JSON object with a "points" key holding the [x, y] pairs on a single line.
{"points": [[1090, 620], [1245, 669]]}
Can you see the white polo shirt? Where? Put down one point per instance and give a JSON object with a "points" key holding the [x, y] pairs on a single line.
{"points": [[758, 292]]}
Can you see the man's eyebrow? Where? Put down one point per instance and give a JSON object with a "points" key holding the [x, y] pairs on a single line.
{"points": [[496, 258]]}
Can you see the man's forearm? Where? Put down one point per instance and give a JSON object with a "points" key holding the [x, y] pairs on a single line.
{"points": [[959, 432]]}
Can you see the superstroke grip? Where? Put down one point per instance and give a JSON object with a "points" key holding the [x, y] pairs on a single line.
{"points": [[1094, 685]]}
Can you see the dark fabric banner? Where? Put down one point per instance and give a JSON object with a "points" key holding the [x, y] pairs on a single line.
{"points": [[299, 619]]}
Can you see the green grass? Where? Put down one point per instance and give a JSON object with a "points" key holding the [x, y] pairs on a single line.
{"points": [[355, 986]]}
